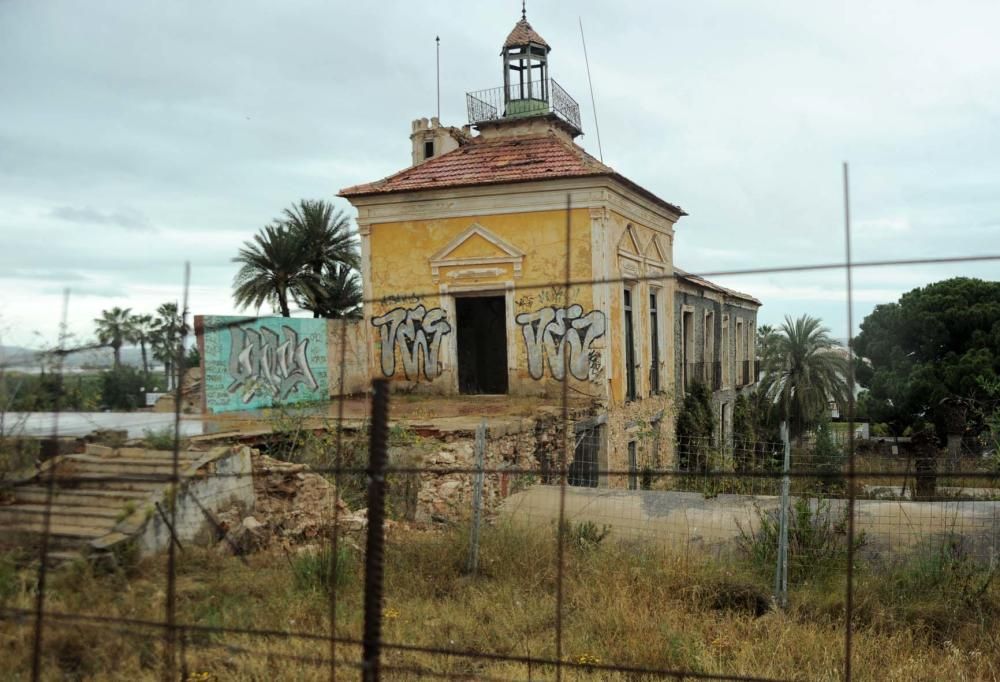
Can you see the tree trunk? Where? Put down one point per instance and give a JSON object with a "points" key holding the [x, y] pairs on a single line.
{"points": [[145, 364], [117, 350], [283, 303]]}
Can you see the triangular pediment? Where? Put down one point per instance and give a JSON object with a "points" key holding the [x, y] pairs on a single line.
{"points": [[629, 243], [477, 246], [653, 251]]}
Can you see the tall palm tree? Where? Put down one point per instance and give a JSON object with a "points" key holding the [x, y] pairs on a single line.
{"points": [[168, 330], [140, 330], [326, 232], [112, 330], [273, 267], [805, 371], [337, 293]]}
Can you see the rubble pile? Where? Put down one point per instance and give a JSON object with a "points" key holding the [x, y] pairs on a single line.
{"points": [[293, 506]]}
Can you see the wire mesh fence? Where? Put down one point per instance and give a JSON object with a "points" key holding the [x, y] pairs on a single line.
{"points": [[503, 546]]}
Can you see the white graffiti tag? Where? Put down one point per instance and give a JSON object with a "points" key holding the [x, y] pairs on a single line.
{"points": [[549, 331], [260, 361], [416, 332]]}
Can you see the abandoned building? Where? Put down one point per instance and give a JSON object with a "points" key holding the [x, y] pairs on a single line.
{"points": [[506, 260]]}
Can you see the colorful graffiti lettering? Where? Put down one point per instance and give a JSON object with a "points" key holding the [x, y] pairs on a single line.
{"points": [[417, 332], [549, 333], [259, 361]]}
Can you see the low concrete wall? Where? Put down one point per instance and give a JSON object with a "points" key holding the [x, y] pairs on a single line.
{"points": [[220, 484], [690, 522]]}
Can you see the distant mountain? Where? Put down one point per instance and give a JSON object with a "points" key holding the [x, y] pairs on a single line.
{"points": [[98, 358]]}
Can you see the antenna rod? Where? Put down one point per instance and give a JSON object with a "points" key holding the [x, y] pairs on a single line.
{"points": [[593, 102], [437, 40]]}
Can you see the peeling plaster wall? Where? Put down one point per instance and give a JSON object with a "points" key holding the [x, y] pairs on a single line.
{"points": [[418, 268]]}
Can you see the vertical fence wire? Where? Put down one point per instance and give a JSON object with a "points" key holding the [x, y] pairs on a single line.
{"points": [[374, 547], [338, 464], [851, 492], [50, 483], [563, 464]]}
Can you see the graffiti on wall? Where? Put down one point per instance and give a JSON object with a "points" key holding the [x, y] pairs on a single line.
{"points": [[259, 362], [263, 362], [417, 333], [552, 333]]}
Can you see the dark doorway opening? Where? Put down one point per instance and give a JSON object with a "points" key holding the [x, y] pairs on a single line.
{"points": [[482, 344]]}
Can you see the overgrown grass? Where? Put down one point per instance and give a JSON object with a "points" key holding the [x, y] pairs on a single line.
{"points": [[635, 604]]}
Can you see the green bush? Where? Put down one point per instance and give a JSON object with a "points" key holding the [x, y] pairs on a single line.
{"points": [[318, 571], [159, 439], [121, 389], [817, 540], [828, 459], [584, 536], [694, 429]]}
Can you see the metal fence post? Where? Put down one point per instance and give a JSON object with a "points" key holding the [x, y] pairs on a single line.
{"points": [[781, 570], [374, 550], [477, 498]]}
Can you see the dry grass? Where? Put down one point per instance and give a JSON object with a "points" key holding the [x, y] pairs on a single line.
{"points": [[623, 604]]}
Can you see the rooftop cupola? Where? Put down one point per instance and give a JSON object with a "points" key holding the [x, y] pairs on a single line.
{"points": [[525, 71], [528, 90]]}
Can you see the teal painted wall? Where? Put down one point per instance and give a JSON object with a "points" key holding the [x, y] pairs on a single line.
{"points": [[251, 363]]}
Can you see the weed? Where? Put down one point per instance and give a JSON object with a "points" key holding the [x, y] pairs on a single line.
{"points": [[585, 536], [817, 539], [159, 439], [318, 571]]}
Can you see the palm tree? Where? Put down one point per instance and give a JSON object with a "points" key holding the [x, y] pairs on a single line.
{"points": [[326, 233], [806, 370], [273, 266], [140, 330], [168, 330], [337, 294], [112, 330]]}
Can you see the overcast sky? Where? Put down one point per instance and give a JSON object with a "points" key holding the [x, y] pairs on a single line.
{"points": [[137, 135]]}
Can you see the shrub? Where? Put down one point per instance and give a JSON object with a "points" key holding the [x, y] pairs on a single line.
{"points": [[159, 439], [828, 459], [318, 571], [584, 536], [121, 389], [817, 539], [694, 429]]}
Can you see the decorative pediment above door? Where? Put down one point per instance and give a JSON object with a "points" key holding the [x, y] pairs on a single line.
{"points": [[476, 253]]}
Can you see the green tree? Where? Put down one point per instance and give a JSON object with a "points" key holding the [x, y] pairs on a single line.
{"points": [[121, 389], [935, 348], [309, 255], [169, 331], [140, 329], [806, 371], [337, 295], [694, 429], [272, 269], [112, 330]]}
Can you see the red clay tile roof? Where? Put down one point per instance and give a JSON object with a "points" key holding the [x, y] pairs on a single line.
{"points": [[500, 160], [524, 34], [698, 281]]}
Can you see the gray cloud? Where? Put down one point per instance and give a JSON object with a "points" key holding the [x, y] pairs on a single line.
{"points": [[148, 134], [127, 218]]}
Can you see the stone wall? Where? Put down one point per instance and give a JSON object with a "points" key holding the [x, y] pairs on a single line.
{"points": [[528, 448], [699, 301]]}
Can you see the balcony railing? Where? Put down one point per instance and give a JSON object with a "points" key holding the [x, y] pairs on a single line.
{"points": [[708, 373], [529, 99]]}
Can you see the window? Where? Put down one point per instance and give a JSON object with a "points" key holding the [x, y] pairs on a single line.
{"points": [[630, 393], [687, 341], [708, 354], [725, 353], [654, 346], [428, 149], [633, 467]]}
